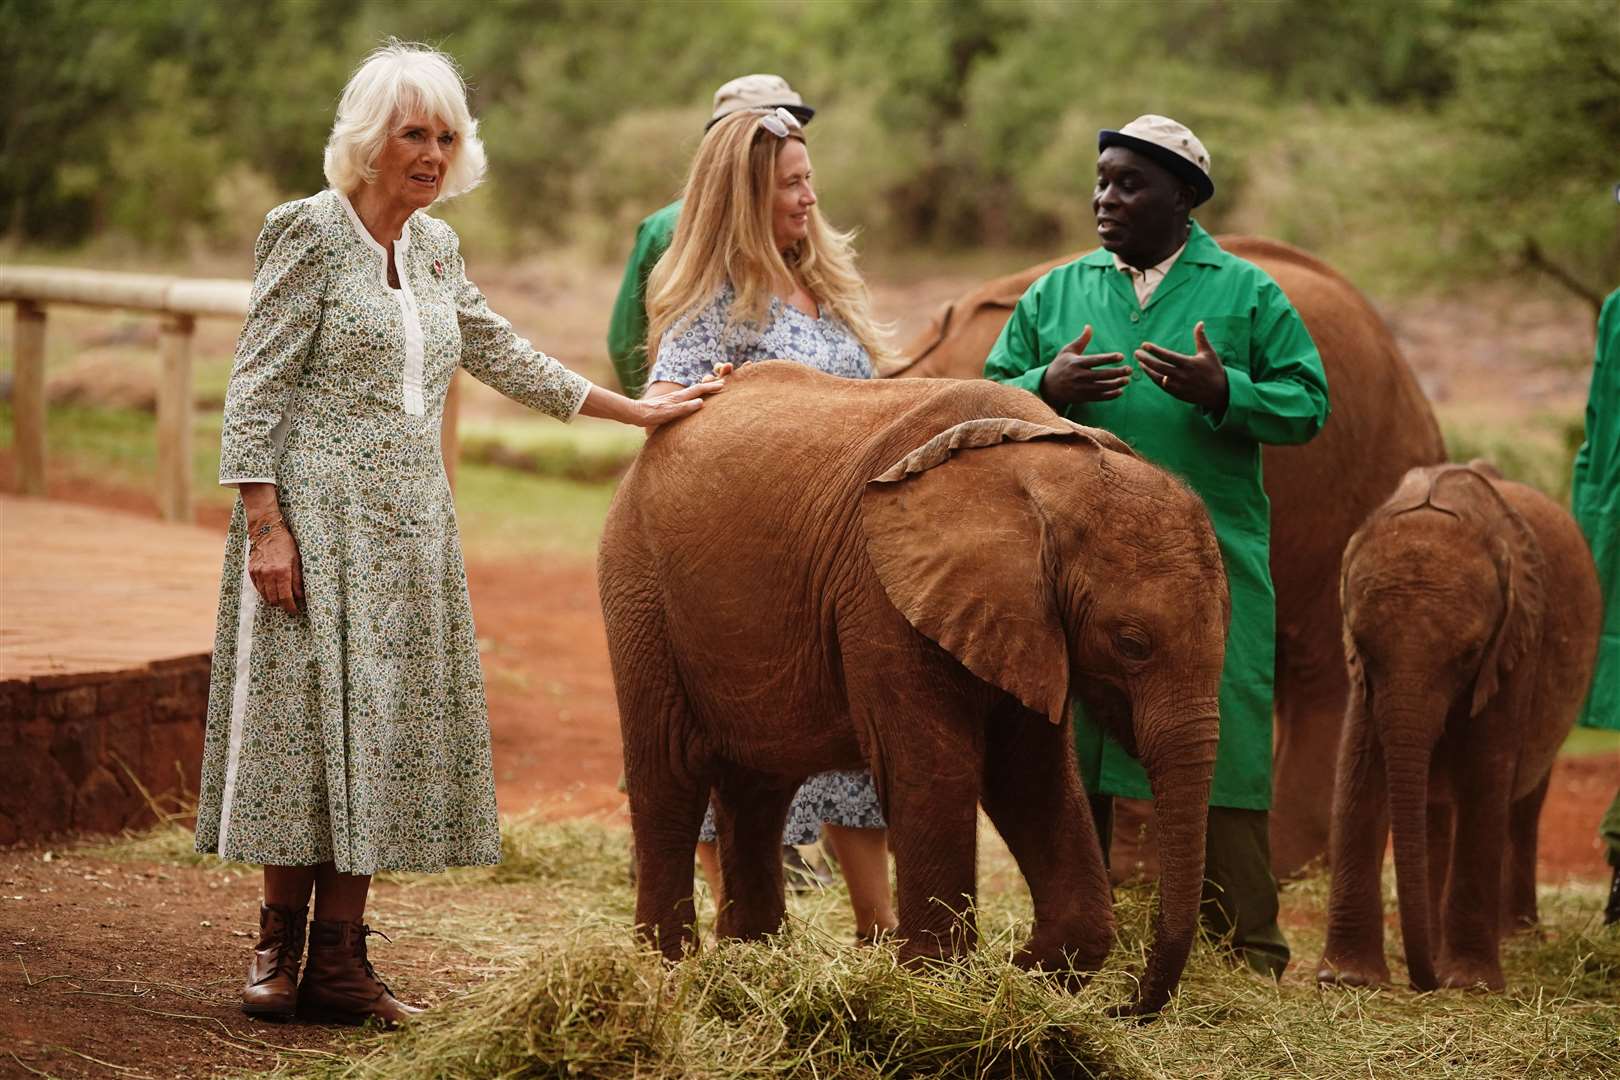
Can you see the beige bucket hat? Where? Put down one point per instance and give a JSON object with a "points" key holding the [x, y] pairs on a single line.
{"points": [[1169, 143], [759, 92]]}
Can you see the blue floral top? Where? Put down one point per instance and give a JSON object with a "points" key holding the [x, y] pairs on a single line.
{"points": [[690, 349]]}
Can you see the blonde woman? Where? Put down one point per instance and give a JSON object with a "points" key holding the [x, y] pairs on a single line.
{"points": [[347, 731], [754, 272]]}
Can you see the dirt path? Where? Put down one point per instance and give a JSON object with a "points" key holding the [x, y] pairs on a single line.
{"points": [[132, 969]]}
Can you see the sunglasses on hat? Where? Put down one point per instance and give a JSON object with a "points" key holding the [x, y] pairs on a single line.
{"points": [[781, 123]]}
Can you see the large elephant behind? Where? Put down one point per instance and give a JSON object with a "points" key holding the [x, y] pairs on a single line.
{"points": [[1320, 493], [816, 573]]}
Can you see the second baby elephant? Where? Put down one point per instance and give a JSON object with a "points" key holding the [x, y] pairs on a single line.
{"points": [[1471, 614], [814, 573]]}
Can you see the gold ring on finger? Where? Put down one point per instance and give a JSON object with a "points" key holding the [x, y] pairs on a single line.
{"points": [[1164, 381]]}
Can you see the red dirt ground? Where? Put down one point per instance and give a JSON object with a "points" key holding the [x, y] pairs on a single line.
{"points": [[132, 970]]}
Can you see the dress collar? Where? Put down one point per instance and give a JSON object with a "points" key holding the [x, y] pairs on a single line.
{"points": [[401, 244]]}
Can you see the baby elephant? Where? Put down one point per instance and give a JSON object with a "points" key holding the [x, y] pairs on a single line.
{"points": [[1471, 615]]}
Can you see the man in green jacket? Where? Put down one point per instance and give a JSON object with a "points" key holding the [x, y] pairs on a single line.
{"points": [[1595, 498], [627, 330], [1196, 360]]}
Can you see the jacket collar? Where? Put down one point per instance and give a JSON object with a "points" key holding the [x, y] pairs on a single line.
{"points": [[1201, 250]]}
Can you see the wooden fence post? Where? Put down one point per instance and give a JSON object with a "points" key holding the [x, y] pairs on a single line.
{"points": [[28, 398], [174, 419], [450, 428]]}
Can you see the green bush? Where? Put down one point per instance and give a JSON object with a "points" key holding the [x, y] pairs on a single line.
{"points": [[1540, 453], [1411, 141]]}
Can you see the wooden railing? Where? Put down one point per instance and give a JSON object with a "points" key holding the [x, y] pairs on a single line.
{"points": [[179, 303]]}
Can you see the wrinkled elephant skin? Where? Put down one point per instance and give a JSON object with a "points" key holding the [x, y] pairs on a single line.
{"points": [[815, 573], [1320, 493], [1471, 616]]}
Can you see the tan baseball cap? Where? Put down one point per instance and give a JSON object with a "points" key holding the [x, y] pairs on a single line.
{"points": [[759, 92], [1170, 144]]}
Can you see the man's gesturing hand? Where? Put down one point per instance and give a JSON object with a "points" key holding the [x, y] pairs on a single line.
{"points": [[1073, 378], [1199, 378]]}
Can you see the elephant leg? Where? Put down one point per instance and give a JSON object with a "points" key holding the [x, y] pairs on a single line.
{"points": [[1033, 795], [1440, 827], [932, 826], [667, 775], [750, 810], [1470, 955], [666, 812], [1354, 953], [1519, 871], [924, 725]]}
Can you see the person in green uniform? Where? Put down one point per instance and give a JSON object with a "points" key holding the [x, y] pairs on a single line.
{"points": [[627, 329], [1195, 358], [1595, 498]]}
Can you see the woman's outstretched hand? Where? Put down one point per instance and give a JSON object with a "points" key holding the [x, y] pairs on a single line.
{"points": [[664, 402], [663, 408]]}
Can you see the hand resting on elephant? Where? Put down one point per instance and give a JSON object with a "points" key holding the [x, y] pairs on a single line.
{"points": [[1471, 615], [918, 577]]}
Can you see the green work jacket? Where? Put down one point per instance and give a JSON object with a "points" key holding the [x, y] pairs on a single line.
{"points": [[627, 330], [1595, 495], [1277, 393]]}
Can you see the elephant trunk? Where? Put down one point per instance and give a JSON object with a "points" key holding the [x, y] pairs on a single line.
{"points": [[1407, 766], [1180, 775]]}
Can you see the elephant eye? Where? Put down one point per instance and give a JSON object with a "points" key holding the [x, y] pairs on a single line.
{"points": [[1133, 644]]}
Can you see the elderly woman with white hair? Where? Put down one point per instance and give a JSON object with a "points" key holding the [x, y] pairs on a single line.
{"points": [[347, 727]]}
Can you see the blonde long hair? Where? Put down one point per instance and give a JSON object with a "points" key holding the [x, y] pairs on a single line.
{"points": [[724, 234]]}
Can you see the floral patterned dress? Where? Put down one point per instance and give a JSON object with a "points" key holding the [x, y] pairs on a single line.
{"points": [[688, 352], [356, 732]]}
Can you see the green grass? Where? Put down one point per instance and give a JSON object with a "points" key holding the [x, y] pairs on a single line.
{"points": [[1540, 452], [503, 513], [1586, 741], [573, 995], [586, 450]]}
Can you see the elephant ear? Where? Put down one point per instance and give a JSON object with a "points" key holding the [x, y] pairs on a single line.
{"points": [[960, 549], [1105, 439], [1519, 564]]}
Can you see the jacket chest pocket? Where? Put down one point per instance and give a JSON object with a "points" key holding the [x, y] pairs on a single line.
{"points": [[1229, 334]]}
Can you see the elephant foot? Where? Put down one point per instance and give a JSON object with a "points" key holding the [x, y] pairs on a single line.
{"points": [[1470, 973], [1520, 922], [1070, 958], [1346, 971], [924, 951], [1068, 976], [1070, 969]]}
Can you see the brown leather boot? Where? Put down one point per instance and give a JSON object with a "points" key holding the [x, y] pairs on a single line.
{"points": [[340, 986], [272, 983]]}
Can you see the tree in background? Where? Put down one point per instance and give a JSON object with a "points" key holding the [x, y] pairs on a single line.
{"points": [[1410, 140]]}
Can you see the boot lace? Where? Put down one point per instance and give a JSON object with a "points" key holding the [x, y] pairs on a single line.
{"points": [[292, 950], [360, 953], [292, 945]]}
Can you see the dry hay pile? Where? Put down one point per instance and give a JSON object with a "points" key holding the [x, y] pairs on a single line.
{"points": [[576, 997]]}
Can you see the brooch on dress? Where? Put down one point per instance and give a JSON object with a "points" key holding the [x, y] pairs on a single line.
{"points": [[438, 268]]}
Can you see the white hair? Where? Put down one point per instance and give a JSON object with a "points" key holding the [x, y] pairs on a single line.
{"points": [[395, 81]]}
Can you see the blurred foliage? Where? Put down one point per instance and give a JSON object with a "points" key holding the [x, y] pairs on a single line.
{"points": [[1408, 140], [1539, 452]]}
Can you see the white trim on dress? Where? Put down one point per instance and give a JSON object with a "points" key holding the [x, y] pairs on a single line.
{"points": [[248, 605], [412, 399]]}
